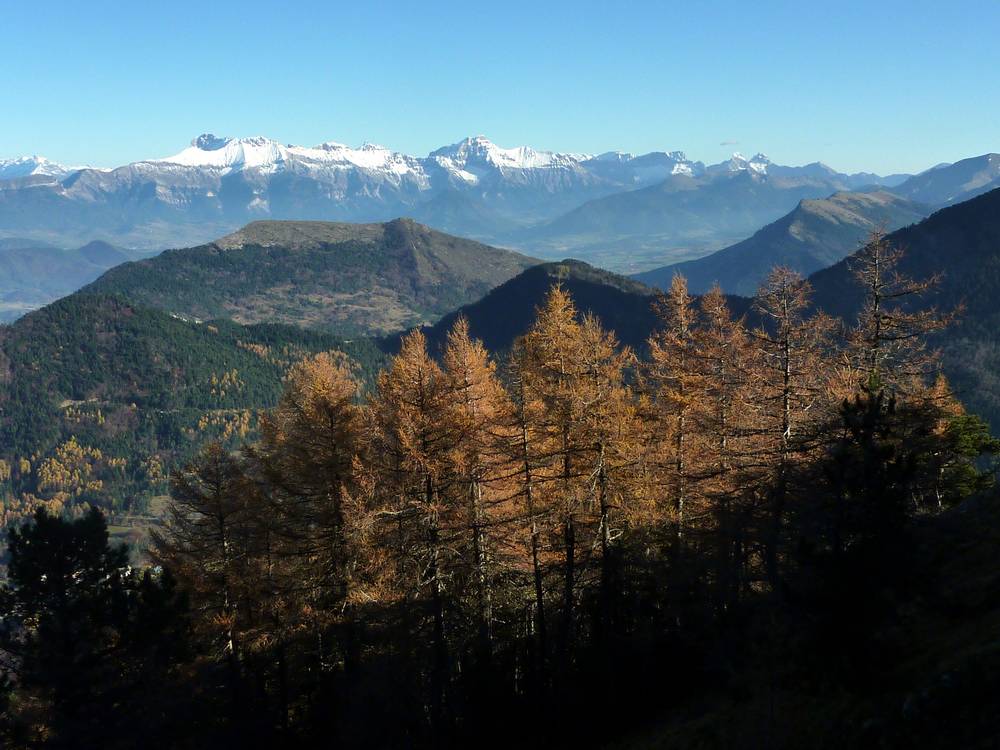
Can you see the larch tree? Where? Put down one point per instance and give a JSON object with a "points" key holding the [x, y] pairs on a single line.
{"points": [[410, 445], [893, 365], [476, 410], [673, 374], [608, 420], [528, 458], [888, 345], [726, 361], [793, 346], [552, 358], [306, 458]]}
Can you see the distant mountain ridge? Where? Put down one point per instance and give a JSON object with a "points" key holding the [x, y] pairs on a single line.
{"points": [[683, 216], [815, 234], [216, 185], [947, 184], [31, 166], [349, 279], [32, 273]]}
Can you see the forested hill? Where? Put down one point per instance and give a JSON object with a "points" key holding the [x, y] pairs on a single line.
{"points": [[962, 243], [349, 279], [100, 398], [622, 305]]}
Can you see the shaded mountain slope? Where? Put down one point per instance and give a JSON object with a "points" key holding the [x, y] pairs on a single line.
{"points": [[953, 183], [963, 243], [623, 305], [816, 234]]}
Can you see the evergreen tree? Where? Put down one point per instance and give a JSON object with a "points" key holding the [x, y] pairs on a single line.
{"points": [[83, 637]]}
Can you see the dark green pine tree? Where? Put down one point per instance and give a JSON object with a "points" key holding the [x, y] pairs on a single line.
{"points": [[87, 644]]}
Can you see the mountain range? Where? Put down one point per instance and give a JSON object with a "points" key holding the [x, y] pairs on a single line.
{"points": [[683, 216], [947, 184], [820, 232], [518, 197]]}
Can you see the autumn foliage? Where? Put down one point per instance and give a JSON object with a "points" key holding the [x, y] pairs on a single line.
{"points": [[529, 534]]}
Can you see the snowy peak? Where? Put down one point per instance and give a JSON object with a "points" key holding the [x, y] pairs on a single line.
{"points": [[370, 157], [656, 166], [480, 152], [684, 166], [27, 166], [211, 151], [618, 157], [208, 151], [757, 163]]}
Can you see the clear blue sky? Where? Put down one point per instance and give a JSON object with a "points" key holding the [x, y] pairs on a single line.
{"points": [[889, 85]]}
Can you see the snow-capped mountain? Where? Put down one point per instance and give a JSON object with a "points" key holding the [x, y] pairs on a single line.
{"points": [[739, 163], [28, 166], [473, 157], [474, 187], [235, 154], [211, 152]]}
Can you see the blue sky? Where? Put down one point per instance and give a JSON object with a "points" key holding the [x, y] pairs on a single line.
{"points": [[884, 86]]}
